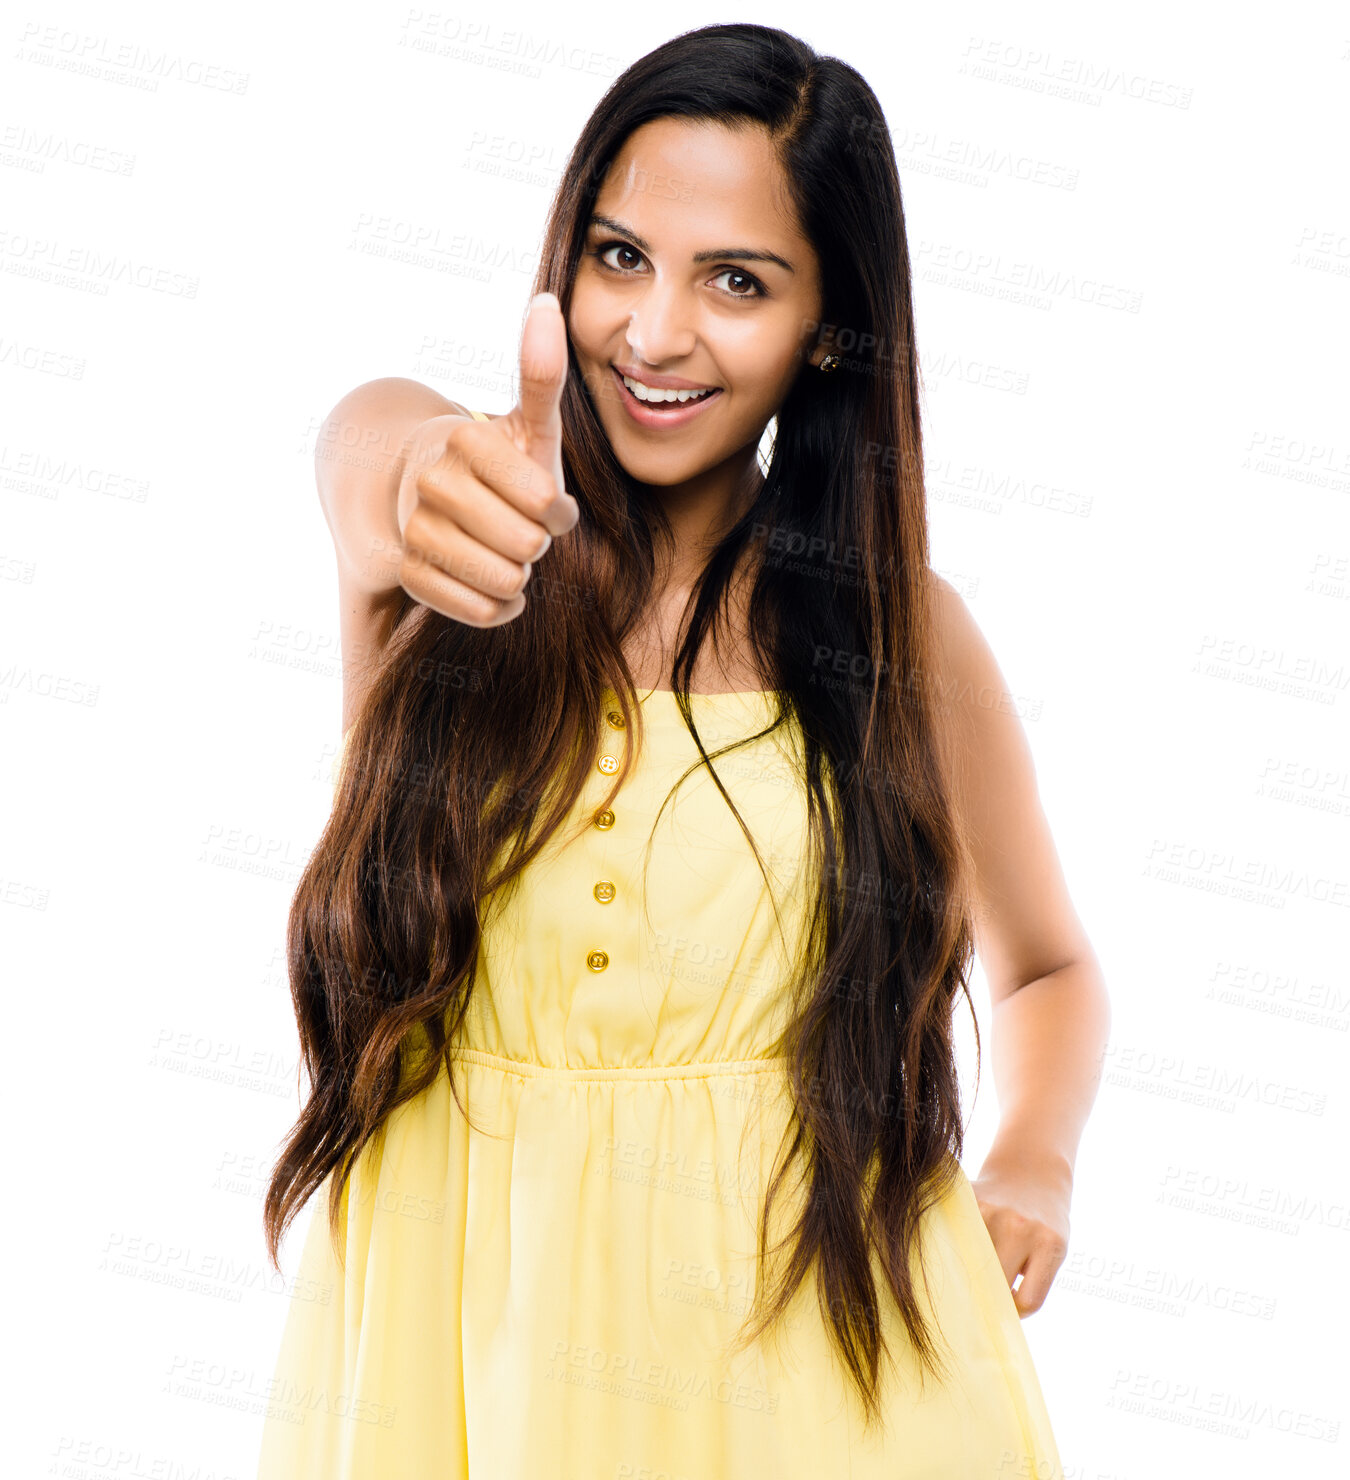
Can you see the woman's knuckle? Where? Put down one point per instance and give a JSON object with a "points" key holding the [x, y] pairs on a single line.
{"points": [[513, 581], [415, 526]]}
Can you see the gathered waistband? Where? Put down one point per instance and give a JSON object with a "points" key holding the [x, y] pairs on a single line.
{"points": [[708, 1069]]}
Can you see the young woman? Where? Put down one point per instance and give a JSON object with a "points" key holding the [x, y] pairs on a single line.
{"points": [[676, 794]]}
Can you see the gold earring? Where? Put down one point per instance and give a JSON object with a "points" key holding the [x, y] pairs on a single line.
{"points": [[830, 362]]}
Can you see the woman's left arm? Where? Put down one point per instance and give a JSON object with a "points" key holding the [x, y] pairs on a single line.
{"points": [[1051, 1011]]}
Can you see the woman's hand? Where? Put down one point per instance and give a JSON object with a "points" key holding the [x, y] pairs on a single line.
{"points": [[480, 501], [1024, 1201]]}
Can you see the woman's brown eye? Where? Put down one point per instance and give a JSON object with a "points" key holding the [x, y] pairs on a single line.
{"points": [[756, 288], [604, 252]]}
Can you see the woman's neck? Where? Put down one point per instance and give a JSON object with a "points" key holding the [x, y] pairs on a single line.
{"points": [[700, 512], [651, 646]]}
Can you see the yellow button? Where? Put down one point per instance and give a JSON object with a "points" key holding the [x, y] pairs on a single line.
{"points": [[615, 718], [608, 764], [605, 820], [604, 891], [597, 960]]}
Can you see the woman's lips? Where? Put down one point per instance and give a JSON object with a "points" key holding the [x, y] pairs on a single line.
{"points": [[648, 416]]}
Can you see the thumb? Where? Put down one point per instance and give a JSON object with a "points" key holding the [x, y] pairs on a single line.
{"points": [[543, 373]]}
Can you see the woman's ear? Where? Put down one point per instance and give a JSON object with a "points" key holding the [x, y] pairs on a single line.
{"points": [[823, 347]]}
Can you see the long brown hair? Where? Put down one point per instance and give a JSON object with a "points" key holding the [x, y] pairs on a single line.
{"points": [[473, 744]]}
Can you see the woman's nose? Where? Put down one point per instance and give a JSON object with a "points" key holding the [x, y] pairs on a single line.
{"points": [[658, 328]]}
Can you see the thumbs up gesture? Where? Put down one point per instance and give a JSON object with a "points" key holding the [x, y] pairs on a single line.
{"points": [[480, 501]]}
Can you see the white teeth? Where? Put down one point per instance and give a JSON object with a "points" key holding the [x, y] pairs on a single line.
{"points": [[648, 393]]}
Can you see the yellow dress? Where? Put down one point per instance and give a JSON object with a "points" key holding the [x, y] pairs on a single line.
{"points": [[552, 1293]]}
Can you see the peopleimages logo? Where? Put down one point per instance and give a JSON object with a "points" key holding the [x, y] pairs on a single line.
{"points": [[26, 255], [122, 61]]}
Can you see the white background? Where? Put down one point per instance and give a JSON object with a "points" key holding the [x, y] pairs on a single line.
{"points": [[1132, 244]]}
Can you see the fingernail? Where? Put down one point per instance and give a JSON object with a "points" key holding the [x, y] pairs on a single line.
{"points": [[547, 298]]}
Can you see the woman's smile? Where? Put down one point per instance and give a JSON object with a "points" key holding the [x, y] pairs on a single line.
{"points": [[661, 408]]}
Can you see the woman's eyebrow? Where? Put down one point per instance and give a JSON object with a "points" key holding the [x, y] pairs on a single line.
{"points": [[740, 254]]}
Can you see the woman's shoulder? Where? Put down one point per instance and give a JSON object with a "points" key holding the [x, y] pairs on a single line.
{"points": [[965, 660]]}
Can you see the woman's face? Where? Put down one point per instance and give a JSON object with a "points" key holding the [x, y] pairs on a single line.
{"points": [[681, 281]]}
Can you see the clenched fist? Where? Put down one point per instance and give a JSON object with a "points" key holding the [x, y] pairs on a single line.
{"points": [[480, 501]]}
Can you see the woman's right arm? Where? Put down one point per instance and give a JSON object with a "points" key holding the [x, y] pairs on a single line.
{"points": [[362, 450], [422, 507]]}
